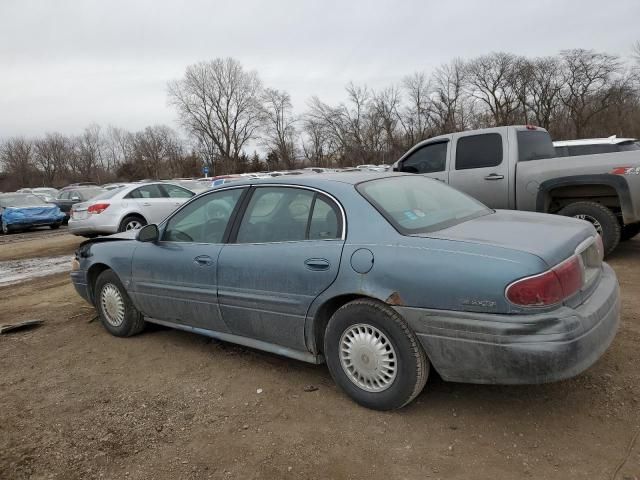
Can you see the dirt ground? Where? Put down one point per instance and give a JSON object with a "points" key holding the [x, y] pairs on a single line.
{"points": [[77, 403]]}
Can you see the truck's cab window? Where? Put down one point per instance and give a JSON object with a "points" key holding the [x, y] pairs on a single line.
{"points": [[428, 159], [479, 151]]}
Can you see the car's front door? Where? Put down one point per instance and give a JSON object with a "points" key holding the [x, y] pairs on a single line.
{"points": [[481, 169], [286, 251], [174, 279]]}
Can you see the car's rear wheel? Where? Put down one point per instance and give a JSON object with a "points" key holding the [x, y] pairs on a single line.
{"points": [[55, 226], [373, 355], [132, 222], [602, 218], [629, 231], [117, 313]]}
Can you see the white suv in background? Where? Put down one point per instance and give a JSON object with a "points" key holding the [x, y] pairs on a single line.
{"points": [[127, 208]]}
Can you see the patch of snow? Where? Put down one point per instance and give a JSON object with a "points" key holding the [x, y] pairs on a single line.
{"points": [[18, 271]]}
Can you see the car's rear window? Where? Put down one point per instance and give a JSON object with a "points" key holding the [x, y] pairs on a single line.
{"points": [[415, 204], [534, 145]]}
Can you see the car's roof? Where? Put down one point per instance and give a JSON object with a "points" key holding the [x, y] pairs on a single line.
{"points": [[317, 179], [613, 140]]}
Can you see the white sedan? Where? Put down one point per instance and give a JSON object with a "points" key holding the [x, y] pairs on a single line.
{"points": [[127, 208]]}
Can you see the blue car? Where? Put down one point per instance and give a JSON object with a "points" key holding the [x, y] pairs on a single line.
{"points": [[382, 276], [21, 211]]}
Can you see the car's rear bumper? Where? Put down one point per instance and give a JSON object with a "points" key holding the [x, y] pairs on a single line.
{"points": [[519, 349], [94, 224]]}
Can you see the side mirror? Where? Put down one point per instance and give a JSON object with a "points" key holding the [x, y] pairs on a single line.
{"points": [[148, 233]]}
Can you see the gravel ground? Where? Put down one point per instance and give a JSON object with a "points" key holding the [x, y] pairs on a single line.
{"points": [[77, 403]]}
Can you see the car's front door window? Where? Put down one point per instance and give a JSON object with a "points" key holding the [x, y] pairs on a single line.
{"points": [[204, 220]]}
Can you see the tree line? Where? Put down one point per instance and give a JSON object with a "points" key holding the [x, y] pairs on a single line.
{"points": [[225, 110]]}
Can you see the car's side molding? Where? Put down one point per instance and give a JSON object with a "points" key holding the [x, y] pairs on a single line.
{"points": [[244, 341]]}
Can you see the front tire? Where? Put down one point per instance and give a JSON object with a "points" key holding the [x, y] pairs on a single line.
{"points": [[373, 355], [55, 226], [603, 219], [5, 228], [116, 311]]}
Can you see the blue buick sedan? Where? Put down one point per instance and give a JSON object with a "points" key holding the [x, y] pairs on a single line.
{"points": [[381, 276]]}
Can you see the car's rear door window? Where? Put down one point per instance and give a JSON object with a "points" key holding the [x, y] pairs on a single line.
{"points": [[289, 214], [479, 151], [174, 191], [147, 191]]}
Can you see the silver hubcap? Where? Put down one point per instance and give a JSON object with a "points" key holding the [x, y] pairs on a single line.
{"points": [[368, 358], [112, 305], [591, 220], [133, 225]]}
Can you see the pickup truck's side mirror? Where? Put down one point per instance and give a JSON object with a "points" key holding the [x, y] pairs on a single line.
{"points": [[148, 233]]}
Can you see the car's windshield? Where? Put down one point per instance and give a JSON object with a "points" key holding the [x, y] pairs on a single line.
{"points": [[21, 200], [416, 204]]}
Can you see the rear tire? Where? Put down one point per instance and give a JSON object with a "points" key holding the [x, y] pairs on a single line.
{"points": [[629, 231], [116, 311], [131, 222], [603, 219], [373, 355]]}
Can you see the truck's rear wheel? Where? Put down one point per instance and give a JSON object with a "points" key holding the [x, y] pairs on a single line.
{"points": [[629, 231], [603, 219]]}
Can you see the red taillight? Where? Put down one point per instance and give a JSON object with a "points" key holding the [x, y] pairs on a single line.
{"points": [[548, 288], [98, 208]]}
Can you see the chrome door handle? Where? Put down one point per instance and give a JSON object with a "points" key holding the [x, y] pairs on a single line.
{"points": [[494, 176], [317, 264], [146, 204]]}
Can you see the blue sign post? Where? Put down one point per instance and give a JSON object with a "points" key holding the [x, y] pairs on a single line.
{"points": [[205, 170]]}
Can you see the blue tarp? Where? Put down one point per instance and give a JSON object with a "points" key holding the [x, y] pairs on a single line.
{"points": [[28, 216]]}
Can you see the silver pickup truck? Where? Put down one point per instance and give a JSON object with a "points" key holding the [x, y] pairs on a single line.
{"points": [[516, 168]]}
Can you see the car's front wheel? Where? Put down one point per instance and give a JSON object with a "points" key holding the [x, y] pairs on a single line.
{"points": [[5, 228], [116, 311], [373, 355]]}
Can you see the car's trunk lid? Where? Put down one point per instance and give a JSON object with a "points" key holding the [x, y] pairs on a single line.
{"points": [[553, 238]]}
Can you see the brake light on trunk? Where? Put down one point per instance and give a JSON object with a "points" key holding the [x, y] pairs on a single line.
{"points": [[97, 208], [550, 287]]}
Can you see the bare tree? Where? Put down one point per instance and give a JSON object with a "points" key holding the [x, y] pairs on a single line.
{"points": [[154, 148], [491, 80], [416, 118], [449, 107], [279, 133], [545, 86], [51, 154], [588, 78], [217, 103], [17, 156]]}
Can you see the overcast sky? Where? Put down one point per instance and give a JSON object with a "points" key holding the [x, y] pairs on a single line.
{"points": [[65, 64]]}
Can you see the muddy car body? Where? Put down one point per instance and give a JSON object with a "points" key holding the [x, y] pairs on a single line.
{"points": [[382, 276]]}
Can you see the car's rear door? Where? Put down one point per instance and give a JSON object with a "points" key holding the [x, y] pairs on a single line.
{"points": [[173, 197], [150, 201], [284, 252], [174, 279], [480, 167]]}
